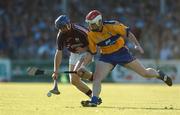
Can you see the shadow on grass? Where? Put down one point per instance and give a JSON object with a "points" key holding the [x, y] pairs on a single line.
{"points": [[144, 108], [124, 108]]}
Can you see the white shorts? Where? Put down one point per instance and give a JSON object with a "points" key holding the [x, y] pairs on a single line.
{"points": [[74, 57]]}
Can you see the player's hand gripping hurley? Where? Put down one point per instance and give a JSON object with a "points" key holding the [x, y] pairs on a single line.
{"points": [[34, 71]]}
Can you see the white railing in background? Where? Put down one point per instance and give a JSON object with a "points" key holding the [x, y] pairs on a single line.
{"points": [[5, 70], [170, 67]]}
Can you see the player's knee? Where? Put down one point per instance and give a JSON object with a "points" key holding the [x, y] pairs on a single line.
{"points": [[145, 73], [96, 79], [149, 72], [74, 80], [84, 74]]}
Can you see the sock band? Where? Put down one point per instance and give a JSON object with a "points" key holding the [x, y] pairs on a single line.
{"points": [[89, 93]]}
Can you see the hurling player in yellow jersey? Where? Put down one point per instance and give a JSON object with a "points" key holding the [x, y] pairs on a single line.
{"points": [[110, 38]]}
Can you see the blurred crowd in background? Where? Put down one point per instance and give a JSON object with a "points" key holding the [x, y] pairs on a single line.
{"points": [[27, 26]]}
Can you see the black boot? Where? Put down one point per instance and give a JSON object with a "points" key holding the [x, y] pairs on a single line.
{"points": [[88, 103], [165, 78]]}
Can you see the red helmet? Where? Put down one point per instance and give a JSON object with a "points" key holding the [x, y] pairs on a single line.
{"points": [[94, 17]]}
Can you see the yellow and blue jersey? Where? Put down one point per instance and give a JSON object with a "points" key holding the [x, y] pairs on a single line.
{"points": [[111, 43], [110, 39]]}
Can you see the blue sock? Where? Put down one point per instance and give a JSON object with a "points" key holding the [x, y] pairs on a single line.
{"points": [[94, 99]]}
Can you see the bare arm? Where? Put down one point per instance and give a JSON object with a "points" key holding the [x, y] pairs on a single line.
{"points": [[133, 39], [57, 62]]}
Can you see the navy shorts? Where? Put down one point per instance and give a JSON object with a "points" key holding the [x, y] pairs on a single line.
{"points": [[120, 57]]}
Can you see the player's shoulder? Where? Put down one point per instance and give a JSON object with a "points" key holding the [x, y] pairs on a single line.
{"points": [[111, 22], [79, 27]]}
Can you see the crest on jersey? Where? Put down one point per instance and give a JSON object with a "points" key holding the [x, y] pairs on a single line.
{"points": [[77, 39], [110, 33]]}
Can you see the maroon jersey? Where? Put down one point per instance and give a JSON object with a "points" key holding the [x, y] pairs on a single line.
{"points": [[72, 39]]}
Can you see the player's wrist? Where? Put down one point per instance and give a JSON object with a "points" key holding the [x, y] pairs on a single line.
{"points": [[55, 72]]}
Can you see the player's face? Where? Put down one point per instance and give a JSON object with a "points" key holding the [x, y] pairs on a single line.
{"points": [[96, 27], [65, 28]]}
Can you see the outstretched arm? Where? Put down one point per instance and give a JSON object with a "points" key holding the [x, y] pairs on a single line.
{"points": [[57, 62], [137, 45]]}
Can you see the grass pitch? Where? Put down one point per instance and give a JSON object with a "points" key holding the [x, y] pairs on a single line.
{"points": [[118, 99]]}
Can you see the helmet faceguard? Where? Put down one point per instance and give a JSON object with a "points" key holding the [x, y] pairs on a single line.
{"points": [[94, 20]]}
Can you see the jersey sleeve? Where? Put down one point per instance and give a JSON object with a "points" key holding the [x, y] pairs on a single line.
{"points": [[92, 45], [59, 41], [122, 29]]}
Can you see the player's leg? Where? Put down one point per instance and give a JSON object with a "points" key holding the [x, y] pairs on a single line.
{"points": [[78, 83], [136, 66], [74, 78], [83, 72], [141, 70], [102, 70]]}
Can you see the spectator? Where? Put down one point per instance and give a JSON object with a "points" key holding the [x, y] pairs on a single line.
{"points": [[28, 26]]}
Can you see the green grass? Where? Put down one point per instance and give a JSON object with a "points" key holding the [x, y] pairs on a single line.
{"points": [[118, 99]]}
